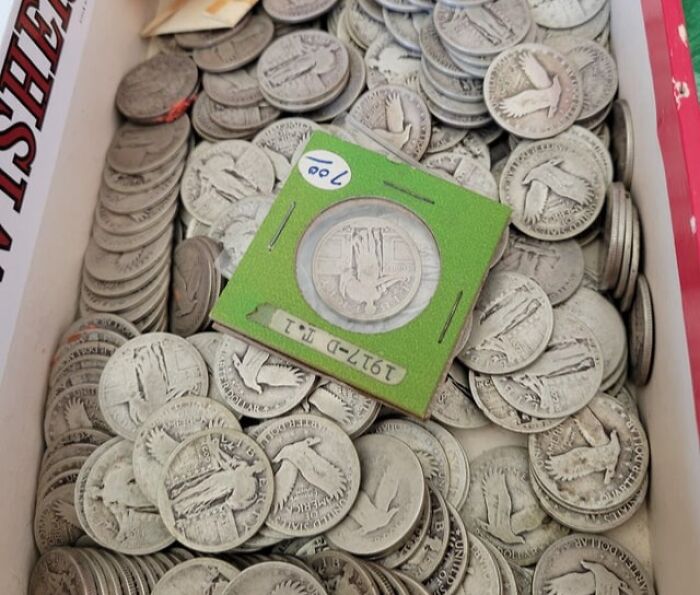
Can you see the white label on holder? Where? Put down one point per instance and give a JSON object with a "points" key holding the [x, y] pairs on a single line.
{"points": [[324, 169]]}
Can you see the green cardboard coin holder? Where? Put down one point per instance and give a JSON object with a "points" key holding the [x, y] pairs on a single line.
{"points": [[283, 295]]}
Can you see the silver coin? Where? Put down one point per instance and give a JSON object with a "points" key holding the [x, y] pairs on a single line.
{"points": [[453, 405], [157, 88], [361, 26], [457, 120], [87, 336], [397, 116], [80, 356], [457, 463], [560, 14], [108, 322], [512, 325], [507, 577], [590, 562], [502, 508], [533, 91], [303, 68], [605, 322], [355, 86], [118, 182], [55, 523], [119, 516], [281, 140], [137, 221], [112, 266], [273, 578], [208, 344], [317, 474], [556, 190], [594, 461], [612, 232], [257, 384], [626, 248], [449, 104], [502, 413], [486, 29], [389, 63], [136, 149], [127, 243], [242, 120], [641, 333], [563, 379], [235, 229], [391, 582], [127, 203], [209, 130], [237, 88], [341, 573], [466, 171], [474, 146], [219, 174], [597, 28], [390, 500], [434, 52], [286, 11], [216, 490], [192, 40], [594, 147], [240, 49], [400, 5], [373, 9], [166, 429], [405, 27], [75, 409], [366, 238], [63, 567], [443, 138], [144, 374], [482, 576], [556, 266], [197, 576], [597, 70], [413, 543], [428, 449], [352, 411], [622, 147]]}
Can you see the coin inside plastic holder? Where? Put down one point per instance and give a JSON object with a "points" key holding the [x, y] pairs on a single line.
{"points": [[368, 265]]}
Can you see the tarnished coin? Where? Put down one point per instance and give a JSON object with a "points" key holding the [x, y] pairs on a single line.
{"points": [[428, 449], [352, 411], [505, 572], [200, 575], [533, 91], [128, 242], [597, 70], [167, 428], [389, 63], [281, 140], [157, 89], [361, 26], [148, 219], [355, 86], [390, 500], [622, 146], [239, 49], [338, 570], [55, 523], [130, 203], [317, 474], [211, 131], [594, 147], [216, 490], [237, 88], [287, 11], [458, 120], [641, 333], [443, 138], [257, 384], [502, 413], [117, 513], [366, 238], [596, 460], [76, 408], [556, 266], [80, 356], [586, 562], [273, 578], [466, 171], [235, 229], [136, 149], [141, 183], [433, 51], [241, 121], [482, 576], [555, 188], [475, 147], [502, 508], [208, 344], [563, 379], [412, 544], [453, 404], [560, 14], [396, 116], [457, 463], [144, 374], [219, 174], [405, 27], [61, 568], [598, 314], [513, 323], [303, 68], [484, 29], [109, 322], [457, 106]]}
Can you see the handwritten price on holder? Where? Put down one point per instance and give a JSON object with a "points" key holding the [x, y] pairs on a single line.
{"points": [[324, 169]]}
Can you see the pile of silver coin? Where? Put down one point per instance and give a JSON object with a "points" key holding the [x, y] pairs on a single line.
{"points": [[189, 461]]}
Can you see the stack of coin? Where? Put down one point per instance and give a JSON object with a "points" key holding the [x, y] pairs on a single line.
{"points": [[591, 21], [73, 421], [90, 569], [127, 263]]}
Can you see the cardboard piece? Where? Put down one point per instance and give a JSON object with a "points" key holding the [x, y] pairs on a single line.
{"points": [[264, 303]]}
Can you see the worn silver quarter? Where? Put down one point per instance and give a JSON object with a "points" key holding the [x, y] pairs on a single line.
{"points": [[482, 576], [275, 577], [443, 138], [560, 14], [288, 11], [448, 576], [197, 576], [436, 55], [453, 404], [641, 333], [281, 140], [62, 567], [76, 408], [405, 27], [622, 147], [389, 63], [468, 172], [341, 573], [237, 88], [241, 121], [513, 322], [361, 26], [390, 501]]}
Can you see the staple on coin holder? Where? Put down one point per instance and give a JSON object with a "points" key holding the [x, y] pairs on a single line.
{"points": [[365, 211]]}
